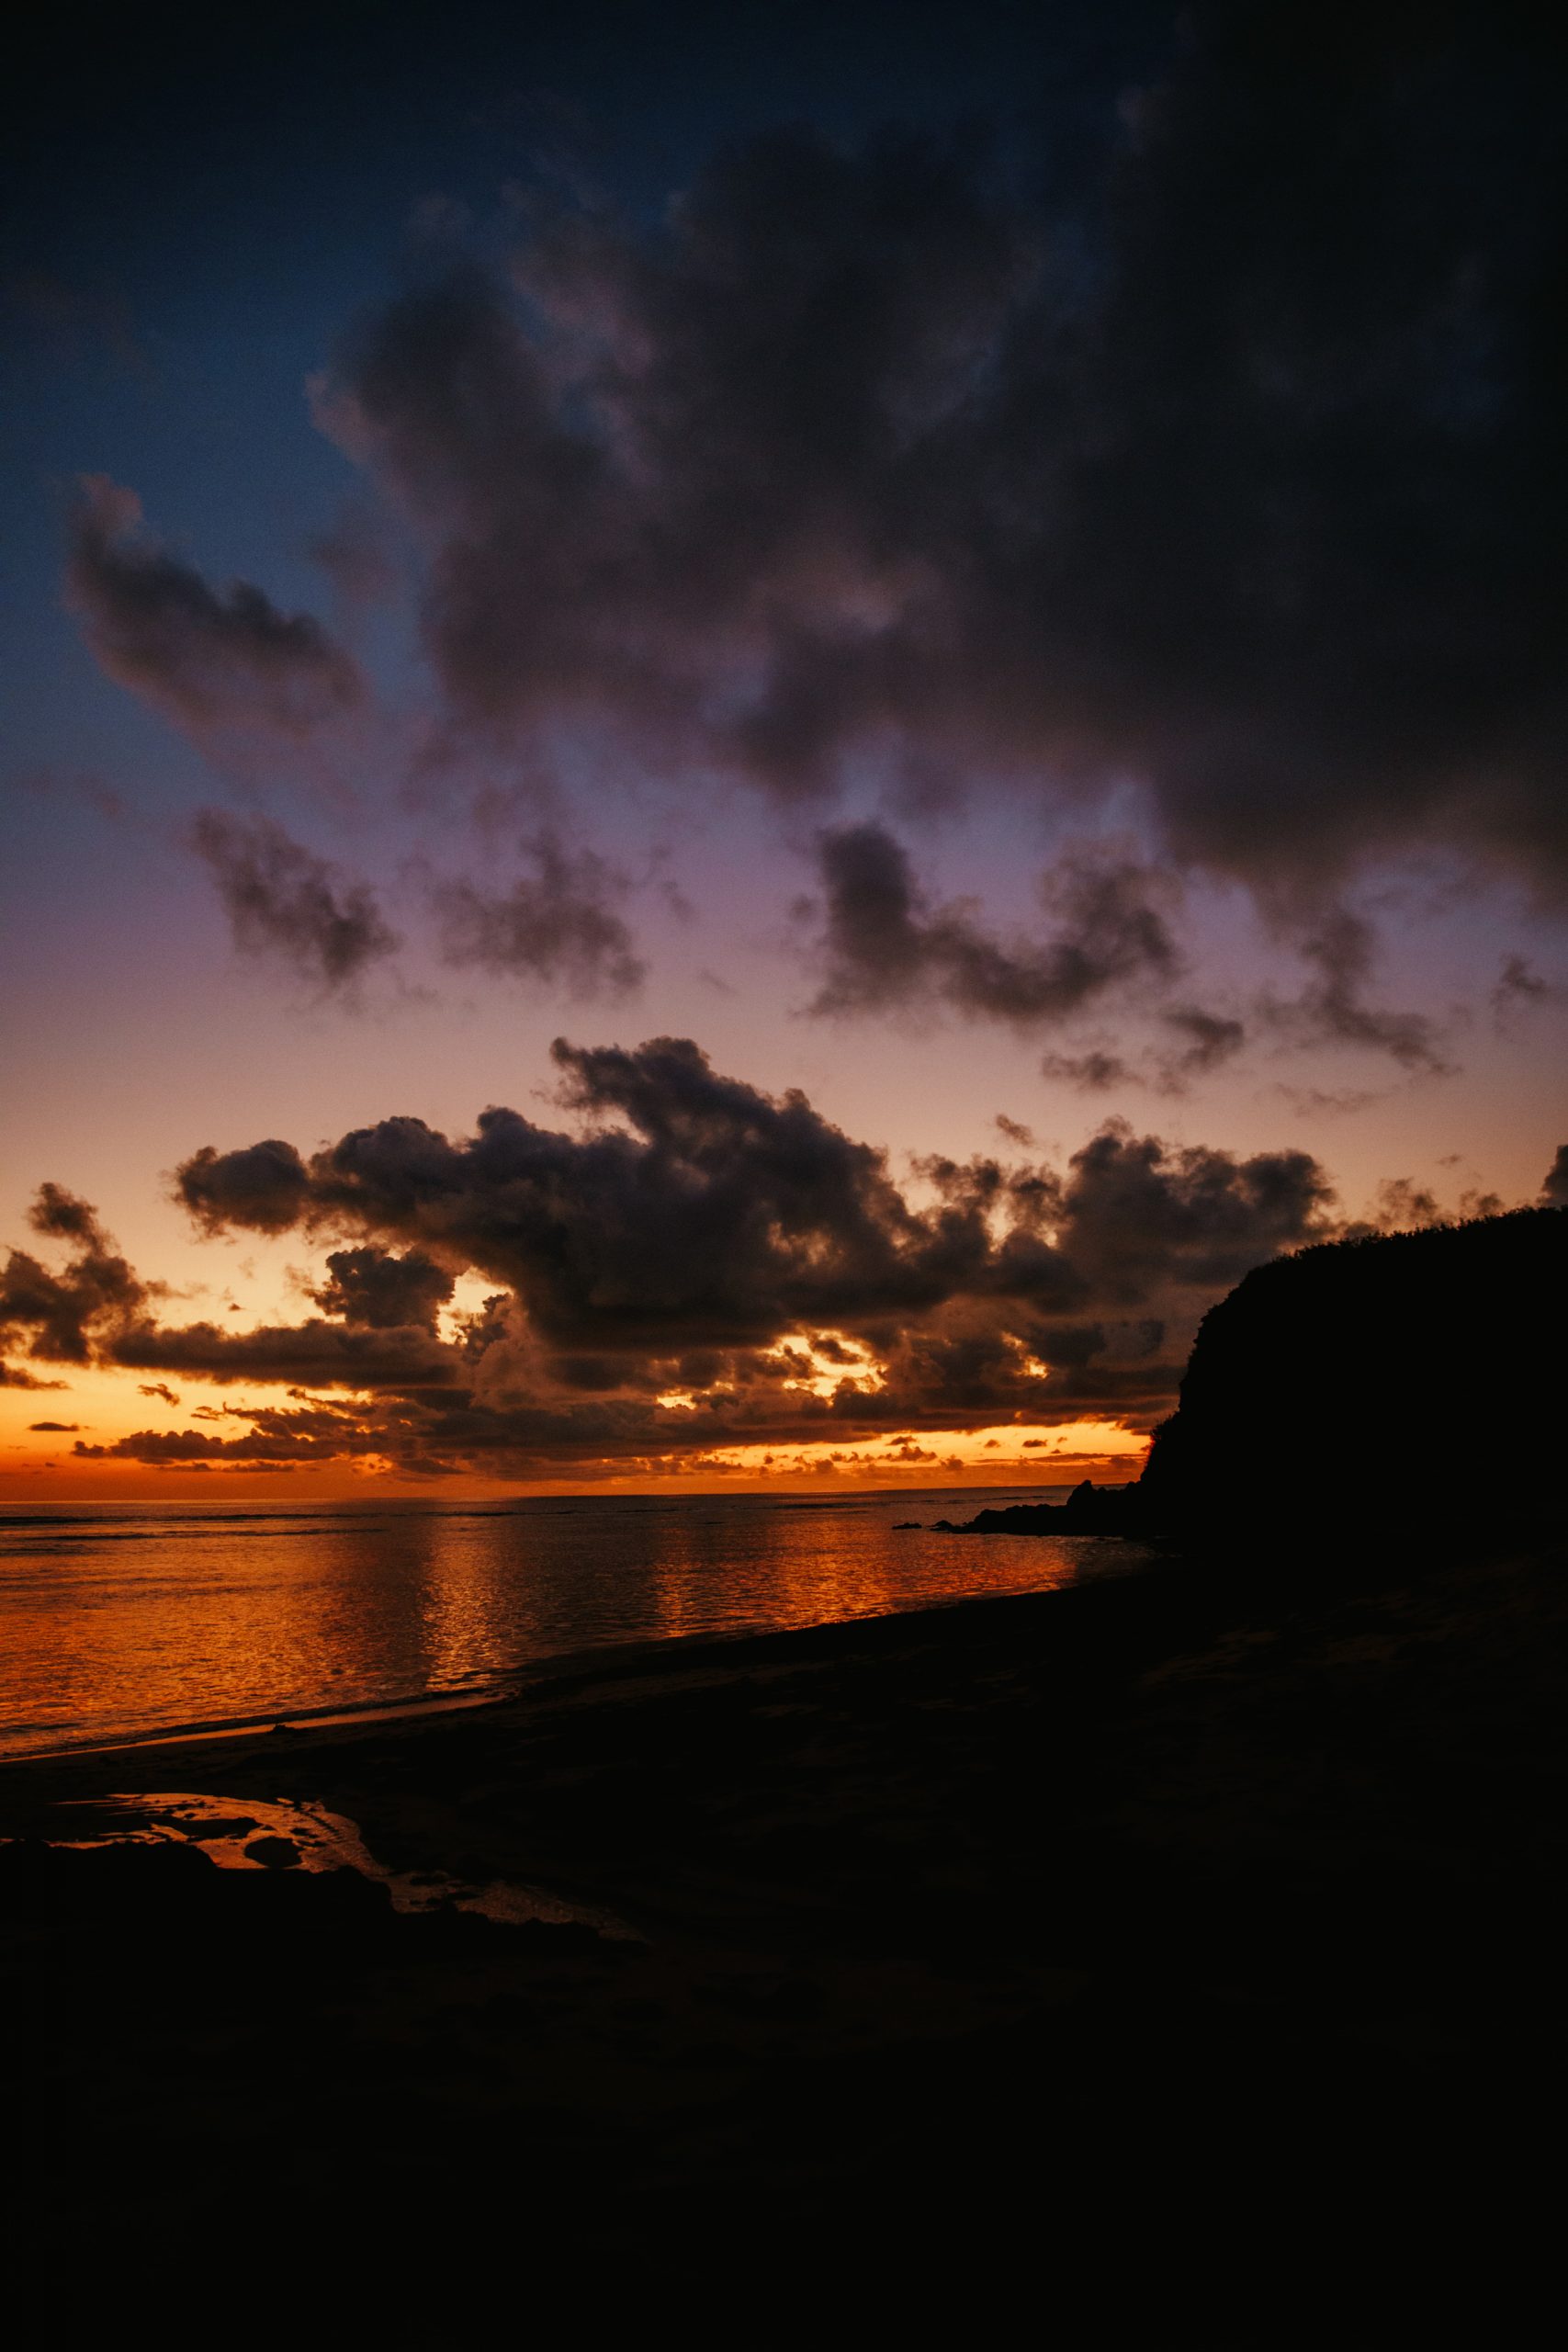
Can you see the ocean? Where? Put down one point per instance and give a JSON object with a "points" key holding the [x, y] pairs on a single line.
{"points": [[120, 1622]]}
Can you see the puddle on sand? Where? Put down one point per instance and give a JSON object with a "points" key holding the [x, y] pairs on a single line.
{"points": [[278, 1833]]}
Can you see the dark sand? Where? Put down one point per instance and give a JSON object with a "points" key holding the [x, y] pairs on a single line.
{"points": [[1196, 1921]]}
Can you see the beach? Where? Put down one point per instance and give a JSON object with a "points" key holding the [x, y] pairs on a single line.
{"points": [[914, 1925]]}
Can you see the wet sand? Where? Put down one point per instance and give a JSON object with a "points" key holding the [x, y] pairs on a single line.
{"points": [[1207, 1909]]}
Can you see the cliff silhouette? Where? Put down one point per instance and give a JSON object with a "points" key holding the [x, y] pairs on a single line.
{"points": [[1399, 1380], [1409, 1382]]}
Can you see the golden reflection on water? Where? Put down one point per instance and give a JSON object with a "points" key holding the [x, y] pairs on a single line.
{"points": [[117, 1619]]}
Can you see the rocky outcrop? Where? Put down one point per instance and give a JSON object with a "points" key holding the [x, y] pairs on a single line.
{"points": [[1408, 1383], [1400, 1383], [1089, 1511]]}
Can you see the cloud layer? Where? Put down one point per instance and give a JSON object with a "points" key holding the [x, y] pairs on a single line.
{"points": [[1195, 455], [698, 1265], [1228, 467]]}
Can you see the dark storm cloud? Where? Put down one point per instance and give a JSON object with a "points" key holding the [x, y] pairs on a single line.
{"points": [[163, 1449], [263, 1188], [284, 901], [1137, 1213], [724, 1213], [1226, 463], [382, 1291], [62, 1317], [98, 1310], [1554, 1190], [556, 925], [325, 1354], [207, 658], [60, 1215], [699, 1266], [681, 1244], [886, 948]]}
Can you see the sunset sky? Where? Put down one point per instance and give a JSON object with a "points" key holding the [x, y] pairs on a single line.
{"points": [[739, 741]]}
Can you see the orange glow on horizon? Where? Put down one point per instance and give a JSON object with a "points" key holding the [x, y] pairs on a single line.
{"points": [[37, 1465]]}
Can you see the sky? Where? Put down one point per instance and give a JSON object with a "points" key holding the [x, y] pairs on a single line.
{"points": [[738, 742]]}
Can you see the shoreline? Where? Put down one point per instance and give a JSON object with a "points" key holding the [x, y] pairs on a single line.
{"points": [[512, 1682], [1215, 1855]]}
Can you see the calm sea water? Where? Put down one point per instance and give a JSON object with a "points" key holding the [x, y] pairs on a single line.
{"points": [[121, 1620]]}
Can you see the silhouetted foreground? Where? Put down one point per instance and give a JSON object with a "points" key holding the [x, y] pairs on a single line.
{"points": [[1412, 1380], [1088, 1510], [1175, 1939], [973, 1939], [1404, 1383]]}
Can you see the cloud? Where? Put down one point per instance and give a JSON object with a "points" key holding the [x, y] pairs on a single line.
{"points": [[1404, 1207], [61, 1317], [886, 948], [711, 1212], [98, 1310], [157, 1388], [55, 1428], [724, 1214], [1213, 1039], [207, 659], [60, 1215], [284, 901], [701, 1264], [556, 925], [1094, 1071], [263, 1189], [1332, 1009], [1520, 988], [379, 1292], [1138, 1214], [1554, 1190], [325, 1354], [696, 1265], [263, 1447], [1222, 459]]}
